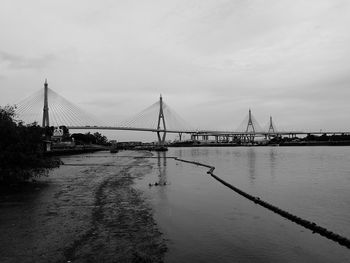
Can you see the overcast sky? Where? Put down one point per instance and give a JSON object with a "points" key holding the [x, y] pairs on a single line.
{"points": [[211, 60]]}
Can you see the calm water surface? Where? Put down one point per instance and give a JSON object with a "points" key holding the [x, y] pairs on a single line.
{"points": [[207, 222]]}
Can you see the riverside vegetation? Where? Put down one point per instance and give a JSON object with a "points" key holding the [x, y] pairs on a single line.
{"points": [[21, 150]]}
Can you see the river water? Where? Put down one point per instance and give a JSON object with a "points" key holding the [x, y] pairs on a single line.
{"points": [[92, 203], [204, 221]]}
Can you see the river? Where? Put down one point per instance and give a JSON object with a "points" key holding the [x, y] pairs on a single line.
{"points": [[100, 207], [206, 222]]}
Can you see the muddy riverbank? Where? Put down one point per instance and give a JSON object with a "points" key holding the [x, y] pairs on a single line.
{"points": [[85, 211]]}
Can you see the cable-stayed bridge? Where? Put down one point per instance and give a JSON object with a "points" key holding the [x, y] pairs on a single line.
{"points": [[52, 109]]}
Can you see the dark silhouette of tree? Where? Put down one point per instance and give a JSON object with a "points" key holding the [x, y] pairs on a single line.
{"points": [[49, 131], [88, 138], [100, 139], [21, 149], [80, 138]]}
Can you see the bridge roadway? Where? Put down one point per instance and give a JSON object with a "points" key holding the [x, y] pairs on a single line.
{"points": [[207, 132]]}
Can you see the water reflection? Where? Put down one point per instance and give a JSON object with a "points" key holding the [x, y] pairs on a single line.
{"points": [[272, 155], [179, 153], [205, 152], [195, 152], [251, 164], [162, 162]]}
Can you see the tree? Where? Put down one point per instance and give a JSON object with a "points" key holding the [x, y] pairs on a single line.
{"points": [[100, 139], [49, 131], [88, 138], [21, 149]]}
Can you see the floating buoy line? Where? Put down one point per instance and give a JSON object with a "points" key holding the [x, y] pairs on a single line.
{"points": [[300, 221]]}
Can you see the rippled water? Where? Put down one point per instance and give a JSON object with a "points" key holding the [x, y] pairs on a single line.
{"points": [[207, 222]]}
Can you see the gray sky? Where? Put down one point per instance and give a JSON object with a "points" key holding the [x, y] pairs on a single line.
{"points": [[211, 60]]}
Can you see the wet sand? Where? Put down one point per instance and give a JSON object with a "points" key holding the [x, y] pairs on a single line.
{"points": [[88, 210]]}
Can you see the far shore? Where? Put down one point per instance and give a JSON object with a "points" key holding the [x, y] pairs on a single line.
{"points": [[301, 143]]}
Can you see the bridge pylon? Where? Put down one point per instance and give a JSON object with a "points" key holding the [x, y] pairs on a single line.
{"points": [[46, 121], [271, 127], [250, 130], [161, 122], [272, 131]]}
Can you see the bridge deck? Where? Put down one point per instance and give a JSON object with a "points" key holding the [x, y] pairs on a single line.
{"points": [[205, 132]]}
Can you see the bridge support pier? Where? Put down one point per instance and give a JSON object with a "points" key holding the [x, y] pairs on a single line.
{"points": [[161, 138], [180, 136], [194, 137], [205, 137]]}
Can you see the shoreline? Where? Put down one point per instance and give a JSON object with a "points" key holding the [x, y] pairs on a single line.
{"points": [[77, 150], [89, 213]]}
